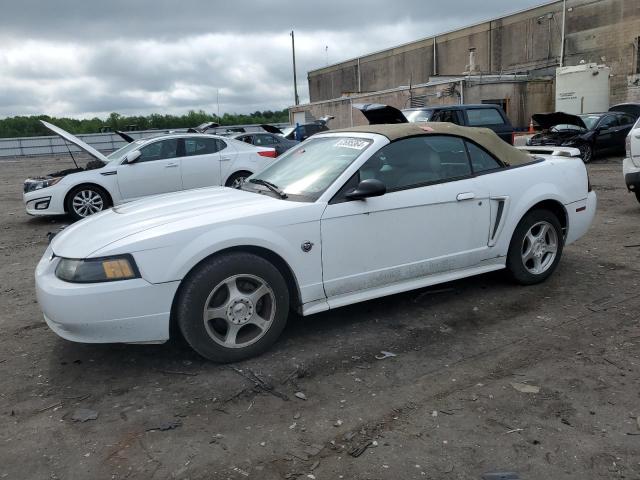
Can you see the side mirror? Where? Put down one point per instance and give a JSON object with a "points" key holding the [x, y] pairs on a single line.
{"points": [[132, 157], [372, 187]]}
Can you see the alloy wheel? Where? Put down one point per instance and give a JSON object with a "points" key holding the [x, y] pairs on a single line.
{"points": [[539, 247], [239, 311], [87, 202]]}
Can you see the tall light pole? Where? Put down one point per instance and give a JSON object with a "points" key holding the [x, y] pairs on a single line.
{"points": [[295, 79], [564, 21]]}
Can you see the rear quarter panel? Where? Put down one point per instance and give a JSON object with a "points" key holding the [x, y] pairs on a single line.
{"points": [[563, 180]]}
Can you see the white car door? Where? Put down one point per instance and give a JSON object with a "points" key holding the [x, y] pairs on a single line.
{"points": [[157, 170], [434, 218], [200, 165]]}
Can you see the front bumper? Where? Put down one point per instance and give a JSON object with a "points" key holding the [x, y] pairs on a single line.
{"points": [[45, 201], [128, 311], [631, 175]]}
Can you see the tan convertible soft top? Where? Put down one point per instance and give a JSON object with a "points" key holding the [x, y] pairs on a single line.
{"points": [[484, 137]]}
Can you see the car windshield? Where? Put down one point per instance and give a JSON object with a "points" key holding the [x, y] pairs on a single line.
{"points": [[590, 120], [563, 127], [306, 171], [418, 115], [121, 152]]}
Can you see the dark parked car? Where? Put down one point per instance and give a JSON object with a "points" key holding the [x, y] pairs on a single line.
{"points": [[472, 115], [591, 133], [265, 139]]}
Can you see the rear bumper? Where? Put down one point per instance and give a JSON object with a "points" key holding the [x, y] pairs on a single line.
{"points": [[581, 216]]}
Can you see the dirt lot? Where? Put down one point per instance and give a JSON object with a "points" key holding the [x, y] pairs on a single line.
{"points": [[443, 408]]}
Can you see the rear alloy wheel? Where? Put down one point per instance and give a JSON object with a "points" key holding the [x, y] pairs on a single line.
{"points": [[237, 179], [586, 152], [86, 200], [233, 307], [536, 247]]}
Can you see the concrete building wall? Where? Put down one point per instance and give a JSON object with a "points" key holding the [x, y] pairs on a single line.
{"points": [[602, 31], [523, 98]]}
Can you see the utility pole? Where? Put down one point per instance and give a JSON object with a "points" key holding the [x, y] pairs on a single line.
{"points": [[295, 79], [564, 21], [326, 54]]}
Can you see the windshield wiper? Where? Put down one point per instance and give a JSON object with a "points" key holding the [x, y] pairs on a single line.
{"points": [[270, 186]]}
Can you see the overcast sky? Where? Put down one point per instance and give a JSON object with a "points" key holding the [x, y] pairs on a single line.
{"points": [[85, 58]]}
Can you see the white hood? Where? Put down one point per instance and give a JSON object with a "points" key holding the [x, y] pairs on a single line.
{"points": [[191, 208], [76, 141]]}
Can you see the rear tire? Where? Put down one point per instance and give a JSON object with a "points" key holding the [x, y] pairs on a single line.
{"points": [[637, 192], [86, 200], [233, 307], [536, 247], [237, 179]]}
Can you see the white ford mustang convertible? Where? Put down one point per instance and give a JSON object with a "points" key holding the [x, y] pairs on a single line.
{"points": [[343, 217]]}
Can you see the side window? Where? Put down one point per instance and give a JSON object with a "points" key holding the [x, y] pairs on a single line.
{"points": [[418, 160], [481, 161], [627, 119], [159, 150], [220, 144], [609, 121], [246, 139], [478, 117], [200, 146], [450, 116], [262, 140]]}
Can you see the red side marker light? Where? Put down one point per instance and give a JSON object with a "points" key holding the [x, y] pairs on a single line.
{"points": [[267, 153]]}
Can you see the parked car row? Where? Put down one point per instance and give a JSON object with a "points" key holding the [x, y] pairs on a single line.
{"points": [[345, 216]]}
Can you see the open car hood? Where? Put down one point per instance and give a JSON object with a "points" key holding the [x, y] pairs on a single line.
{"points": [[271, 129], [76, 141], [630, 108], [377, 113], [549, 120]]}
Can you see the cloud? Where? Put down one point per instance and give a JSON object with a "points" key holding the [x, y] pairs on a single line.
{"points": [[79, 58]]}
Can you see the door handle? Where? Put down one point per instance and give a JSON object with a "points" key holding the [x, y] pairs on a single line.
{"points": [[225, 159], [171, 165], [637, 136], [465, 196]]}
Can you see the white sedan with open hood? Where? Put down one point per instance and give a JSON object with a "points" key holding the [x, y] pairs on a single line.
{"points": [[345, 216], [149, 166]]}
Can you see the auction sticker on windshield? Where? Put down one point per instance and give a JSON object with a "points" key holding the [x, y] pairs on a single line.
{"points": [[355, 143]]}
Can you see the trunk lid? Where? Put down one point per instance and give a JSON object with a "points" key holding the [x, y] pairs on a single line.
{"points": [[377, 113]]}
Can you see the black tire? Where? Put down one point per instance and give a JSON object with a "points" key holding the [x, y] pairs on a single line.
{"points": [[236, 177], [516, 265], [586, 151], [637, 192], [78, 213], [198, 292]]}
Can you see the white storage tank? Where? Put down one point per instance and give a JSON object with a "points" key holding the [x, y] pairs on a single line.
{"points": [[583, 88]]}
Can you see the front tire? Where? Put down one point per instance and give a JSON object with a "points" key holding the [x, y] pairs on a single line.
{"points": [[86, 200], [237, 179], [586, 152], [233, 307], [536, 247]]}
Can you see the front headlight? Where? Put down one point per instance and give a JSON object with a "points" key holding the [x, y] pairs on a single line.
{"points": [[37, 183], [94, 270]]}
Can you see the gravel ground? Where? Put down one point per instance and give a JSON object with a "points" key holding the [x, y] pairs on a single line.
{"points": [[448, 405]]}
